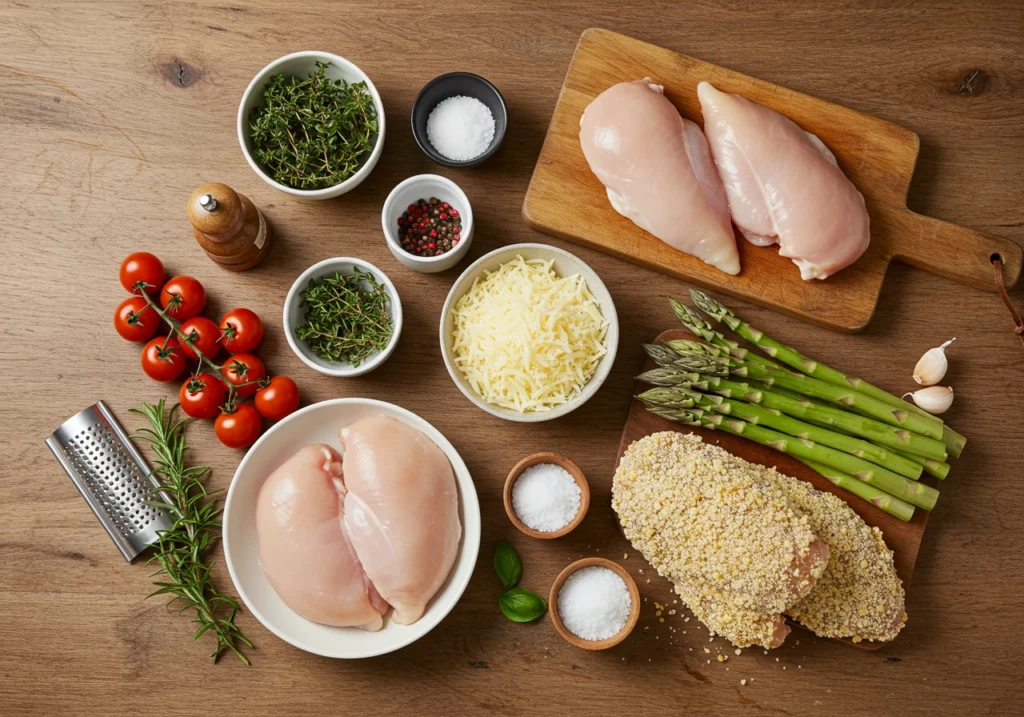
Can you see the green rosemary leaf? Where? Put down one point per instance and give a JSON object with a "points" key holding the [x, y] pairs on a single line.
{"points": [[181, 550]]}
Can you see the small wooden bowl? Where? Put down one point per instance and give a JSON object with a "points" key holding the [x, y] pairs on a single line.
{"points": [[573, 470], [634, 609]]}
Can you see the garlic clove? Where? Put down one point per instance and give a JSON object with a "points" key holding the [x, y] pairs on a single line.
{"points": [[932, 366], [934, 399]]}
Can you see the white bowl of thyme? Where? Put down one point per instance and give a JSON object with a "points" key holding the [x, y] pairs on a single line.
{"points": [[343, 317], [311, 124]]}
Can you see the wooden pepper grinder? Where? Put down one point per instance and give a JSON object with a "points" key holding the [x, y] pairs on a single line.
{"points": [[228, 226]]}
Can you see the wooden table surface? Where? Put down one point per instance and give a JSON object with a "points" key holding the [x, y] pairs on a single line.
{"points": [[111, 113]]}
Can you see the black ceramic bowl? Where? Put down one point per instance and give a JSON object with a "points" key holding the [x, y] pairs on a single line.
{"points": [[452, 85]]}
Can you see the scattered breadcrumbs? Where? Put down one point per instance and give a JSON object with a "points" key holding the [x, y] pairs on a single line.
{"points": [[736, 552]]}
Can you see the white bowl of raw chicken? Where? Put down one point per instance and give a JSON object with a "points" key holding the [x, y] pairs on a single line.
{"points": [[321, 423]]}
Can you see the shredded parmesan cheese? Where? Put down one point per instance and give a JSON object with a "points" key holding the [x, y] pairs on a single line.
{"points": [[527, 339]]}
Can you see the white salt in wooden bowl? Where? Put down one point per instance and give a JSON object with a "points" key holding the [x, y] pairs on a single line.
{"points": [[634, 608], [572, 469]]}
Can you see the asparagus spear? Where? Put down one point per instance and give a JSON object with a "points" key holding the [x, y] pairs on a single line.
{"points": [[699, 327], [771, 418], [802, 408], [880, 499], [953, 440], [921, 495], [932, 467], [846, 397]]}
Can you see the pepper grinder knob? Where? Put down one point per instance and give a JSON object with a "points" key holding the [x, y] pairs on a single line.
{"points": [[208, 203]]}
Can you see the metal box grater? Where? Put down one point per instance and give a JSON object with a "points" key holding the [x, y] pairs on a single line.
{"points": [[112, 476]]}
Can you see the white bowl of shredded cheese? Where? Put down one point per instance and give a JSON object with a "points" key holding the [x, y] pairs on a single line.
{"points": [[529, 332]]}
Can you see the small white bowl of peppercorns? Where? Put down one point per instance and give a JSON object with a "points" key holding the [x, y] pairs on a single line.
{"points": [[428, 223]]}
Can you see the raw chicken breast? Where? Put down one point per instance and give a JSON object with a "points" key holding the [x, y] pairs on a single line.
{"points": [[658, 171], [401, 511], [784, 185], [304, 551]]}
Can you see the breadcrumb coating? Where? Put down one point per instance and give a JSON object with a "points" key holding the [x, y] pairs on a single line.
{"points": [[736, 551], [859, 596]]}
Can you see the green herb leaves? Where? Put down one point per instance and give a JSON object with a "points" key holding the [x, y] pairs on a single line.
{"points": [[184, 572], [346, 317], [522, 605], [312, 133], [517, 604], [507, 565]]}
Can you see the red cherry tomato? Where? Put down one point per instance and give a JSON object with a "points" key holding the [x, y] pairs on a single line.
{"points": [[204, 334], [240, 428], [162, 359], [183, 297], [278, 398], [134, 321], [202, 396], [141, 266], [242, 330], [244, 369]]}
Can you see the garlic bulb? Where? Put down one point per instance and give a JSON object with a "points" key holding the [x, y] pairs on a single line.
{"points": [[932, 366], [934, 399]]}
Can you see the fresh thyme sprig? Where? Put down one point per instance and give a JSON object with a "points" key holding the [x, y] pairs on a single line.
{"points": [[312, 133], [181, 551], [345, 321]]}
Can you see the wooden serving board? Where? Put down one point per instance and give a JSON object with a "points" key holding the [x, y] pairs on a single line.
{"points": [[904, 539], [567, 200]]}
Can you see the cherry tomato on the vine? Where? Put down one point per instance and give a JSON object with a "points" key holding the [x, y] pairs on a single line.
{"points": [[244, 369], [183, 297], [162, 359], [278, 398], [241, 330], [141, 266], [134, 321], [240, 428], [201, 396], [205, 335]]}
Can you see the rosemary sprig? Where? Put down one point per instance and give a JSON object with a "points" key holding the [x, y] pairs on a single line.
{"points": [[346, 317], [312, 133], [181, 551]]}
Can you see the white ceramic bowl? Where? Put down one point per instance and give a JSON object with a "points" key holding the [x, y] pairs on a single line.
{"points": [[295, 314], [320, 423], [301, 64], [425, 186], [565, 264]]}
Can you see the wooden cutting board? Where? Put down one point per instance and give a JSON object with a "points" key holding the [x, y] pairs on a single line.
{"points": [[904, 539], [567, 200]]}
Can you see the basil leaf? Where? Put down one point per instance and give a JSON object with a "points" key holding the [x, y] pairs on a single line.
{"points": [[507, 565], [522, 605]]}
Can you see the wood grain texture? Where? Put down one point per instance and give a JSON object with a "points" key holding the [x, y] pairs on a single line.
{"points": [[904, 539], [567, 200], [113, 112]]}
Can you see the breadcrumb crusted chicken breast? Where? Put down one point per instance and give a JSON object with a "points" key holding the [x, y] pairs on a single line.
{"points": [[859, 596], [738, 554]]}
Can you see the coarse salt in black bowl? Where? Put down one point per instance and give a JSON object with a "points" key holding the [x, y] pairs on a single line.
{"points": [[458, 84]]}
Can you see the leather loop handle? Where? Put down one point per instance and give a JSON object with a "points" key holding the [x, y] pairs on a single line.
{"points": [[1018, 322]]}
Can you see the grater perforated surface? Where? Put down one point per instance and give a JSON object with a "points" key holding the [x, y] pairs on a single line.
{"points": [[111, 475]]}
